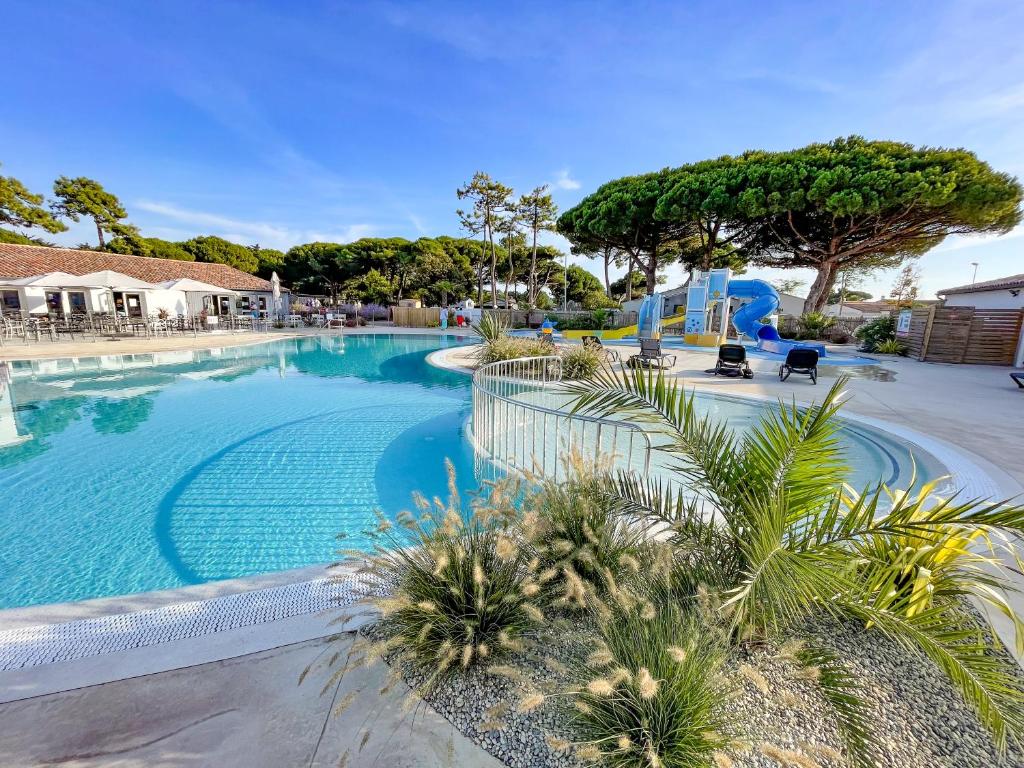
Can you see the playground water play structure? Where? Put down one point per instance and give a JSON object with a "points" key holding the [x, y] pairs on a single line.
{"points": [[707, 316]]}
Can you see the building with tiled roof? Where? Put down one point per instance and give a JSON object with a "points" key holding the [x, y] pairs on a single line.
{"points": [[215, 289], [18, 261], [1001, 293]]}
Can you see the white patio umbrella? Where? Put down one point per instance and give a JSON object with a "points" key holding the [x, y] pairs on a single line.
{"points": [[188, 285], [57, 280], [116, 281], [275, 286]]}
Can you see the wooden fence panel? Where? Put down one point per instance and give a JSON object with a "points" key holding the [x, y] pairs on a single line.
{"points": [[416, 317], [964, 335]]}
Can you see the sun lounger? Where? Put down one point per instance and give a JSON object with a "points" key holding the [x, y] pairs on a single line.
{"points": [[803, 361], [651, 354], [732, 361]]}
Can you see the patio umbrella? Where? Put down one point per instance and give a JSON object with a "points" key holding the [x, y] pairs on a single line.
{"points": [[275, 286], [116, 281], [56, 280]]}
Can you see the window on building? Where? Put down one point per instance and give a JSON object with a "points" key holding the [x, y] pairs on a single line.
{"points": [[53, 302], [77, 301], [10, 301]]}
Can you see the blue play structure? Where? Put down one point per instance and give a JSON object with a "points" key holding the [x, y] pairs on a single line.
{"points": [[712, 289]]}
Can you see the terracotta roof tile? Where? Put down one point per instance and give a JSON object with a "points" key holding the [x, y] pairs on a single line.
{"points": [[29, 260], [1013, 281]]}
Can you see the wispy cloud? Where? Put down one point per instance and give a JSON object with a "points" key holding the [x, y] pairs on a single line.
{"points": [[246, 232], [564, 181]]}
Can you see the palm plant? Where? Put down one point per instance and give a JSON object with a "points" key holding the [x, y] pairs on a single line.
{"points": [[766, 521]]}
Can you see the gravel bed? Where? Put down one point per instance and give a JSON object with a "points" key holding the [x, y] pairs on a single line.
{"points": [[920, 720]]}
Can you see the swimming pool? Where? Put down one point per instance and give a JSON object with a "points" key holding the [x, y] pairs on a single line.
{"points": [[131, 473]]}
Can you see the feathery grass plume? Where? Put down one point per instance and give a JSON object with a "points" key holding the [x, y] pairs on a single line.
{"points": [[455, 600], [754, 676], [673, 711], [790, 700], [789, 541], [678, 654], [530, 703], [582, 542], [787, 758], [722, 760], [822, 752], [556, 744], [554, 665]]}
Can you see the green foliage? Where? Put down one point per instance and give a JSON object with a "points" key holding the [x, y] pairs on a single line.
{"points": [[217, 250], [621, 215], [462, 588], [575, 530], [21, 208], [318, 267], [512, 347], [581, 283], [854, 204], [538, 212], [788, 539], [580, 362], [492, 326], [598, 300], [149, 246], [653, 693], [814, 324], [618, 287], [849, 295], [373, 287], [891, 347], [876, 332], [16, 238], [80, 197]]}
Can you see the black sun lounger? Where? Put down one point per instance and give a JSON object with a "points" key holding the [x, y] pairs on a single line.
{"points": [[803, 361]]}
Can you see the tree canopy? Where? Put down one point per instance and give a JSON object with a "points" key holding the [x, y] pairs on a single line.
{"points": [[854, 203], [21, 208], [621, 215], [80, 197], [217, 250]]}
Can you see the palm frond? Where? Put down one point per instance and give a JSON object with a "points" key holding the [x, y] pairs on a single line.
{"points": [[844, 694], [947, 635]]}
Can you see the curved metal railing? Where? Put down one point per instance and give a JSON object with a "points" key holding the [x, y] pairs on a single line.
{"points": [[521, 422]]}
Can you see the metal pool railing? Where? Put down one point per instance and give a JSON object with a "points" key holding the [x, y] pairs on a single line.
{"points": [[521, 422]]}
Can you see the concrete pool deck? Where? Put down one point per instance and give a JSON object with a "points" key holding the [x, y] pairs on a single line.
{"points": [[230, 698]]}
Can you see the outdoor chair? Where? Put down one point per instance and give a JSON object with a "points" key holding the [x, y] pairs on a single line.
{"points": [[1018, 379], [610, 355], [800, 360], [732, 362], [651, 354]]}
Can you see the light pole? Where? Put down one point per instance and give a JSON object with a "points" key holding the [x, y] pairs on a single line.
{"points": [[974, 277]]}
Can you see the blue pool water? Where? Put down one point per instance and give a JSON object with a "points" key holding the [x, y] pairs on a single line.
{"points": [[131, 473], [152, 471]]}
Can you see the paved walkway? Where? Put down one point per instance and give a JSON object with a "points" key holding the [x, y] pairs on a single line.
{"points": [[244, 712]]}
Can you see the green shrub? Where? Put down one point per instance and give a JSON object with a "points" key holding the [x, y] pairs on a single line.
{"points": [[891, 347], [653, 694], [463, 591], [512, 347], [584, 546], [876, 331], [492, 326], [812, 325], [598, 300], [580, 362]]}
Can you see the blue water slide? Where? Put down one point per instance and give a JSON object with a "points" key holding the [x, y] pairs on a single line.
{"points": [[764, 302]]}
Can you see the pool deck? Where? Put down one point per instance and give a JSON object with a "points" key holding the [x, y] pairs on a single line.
{"points": [[230, 698]]}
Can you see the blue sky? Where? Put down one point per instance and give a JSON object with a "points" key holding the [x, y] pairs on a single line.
{"points": [[281, 123]]}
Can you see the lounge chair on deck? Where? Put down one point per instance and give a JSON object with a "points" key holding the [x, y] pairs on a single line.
{"points": [[610, 355], [732, 361], [651, 354], [1018, 378], [803, 361]]}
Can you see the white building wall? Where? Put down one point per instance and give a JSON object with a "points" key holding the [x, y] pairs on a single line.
{"points": [[1001, 299]]}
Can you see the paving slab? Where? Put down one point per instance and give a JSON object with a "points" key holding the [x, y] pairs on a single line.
{"points": [[245, 712]]}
